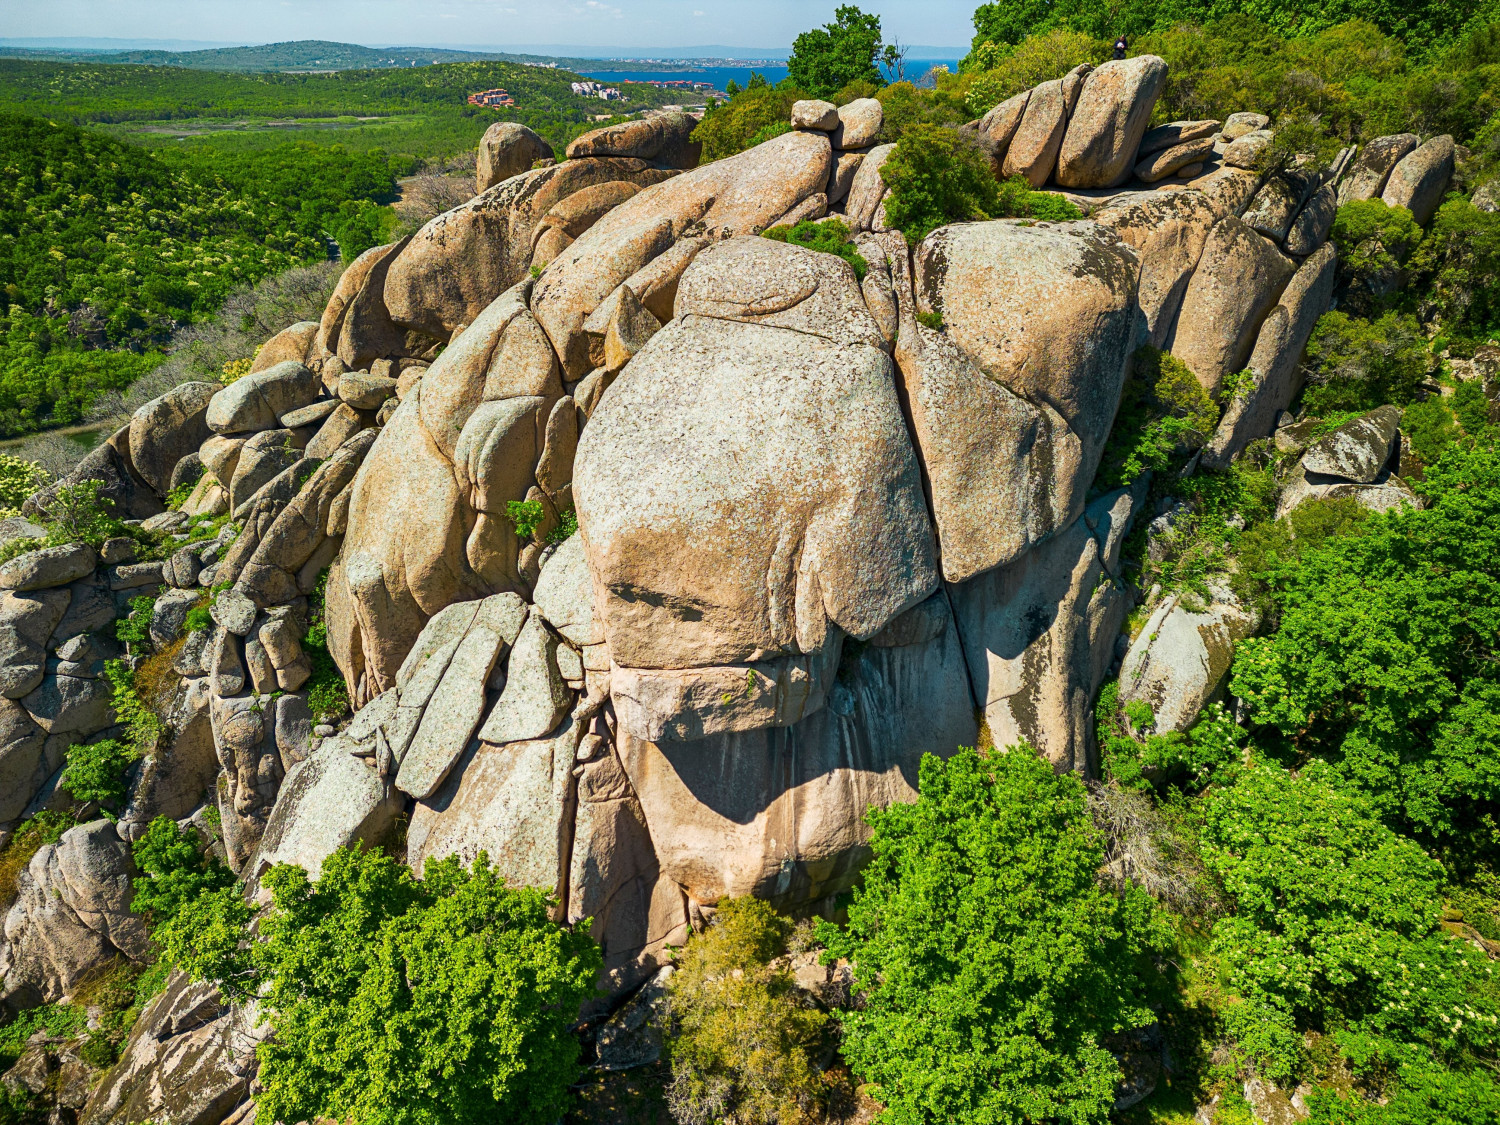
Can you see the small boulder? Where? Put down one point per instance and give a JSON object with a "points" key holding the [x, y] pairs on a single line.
{"points": [[1357, 451], [1237, 125], [291, 343], [1159, 165], [815, 114], [1175, 133], [507, 149], [1246, 151], [256, 402], [859, 124], [364, 391], [48, 567]]}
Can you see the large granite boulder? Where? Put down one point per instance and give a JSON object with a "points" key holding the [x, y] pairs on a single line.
{"points": [[1421, 179], [463, 259], [1239, 279], [293, 343], [742, 194], [1032, 151], [1180, 659], [1105, 131], [167, 429], [1357, 451], [663, 138], [256, 402], [1366, 177], [507, 149]]}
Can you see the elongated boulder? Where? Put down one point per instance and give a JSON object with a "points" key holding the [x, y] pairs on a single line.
{"points": [[507, 149], [1419, 181], [1310, 228], [256, 402], [1001, 122], [664, 138], [1047, 310], [743, 194], [1367, 175], [1276, 360], [167, 429], [368, 332], [463, 259], [1175, 133], [743, 488], [1357, 451], [1034, 145], [330, 326], [1106, 128], [1239, 279]]}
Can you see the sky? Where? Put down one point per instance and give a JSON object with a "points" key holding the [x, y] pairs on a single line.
{"points": [[622, 24]]}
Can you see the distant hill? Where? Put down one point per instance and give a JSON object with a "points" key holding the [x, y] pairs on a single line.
{"points": [[304, 55]]}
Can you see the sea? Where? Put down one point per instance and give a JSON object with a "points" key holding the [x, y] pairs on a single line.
{"points": [[720, 76]]}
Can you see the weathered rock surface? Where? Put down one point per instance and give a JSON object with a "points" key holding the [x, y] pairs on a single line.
{"points": [[1160, 165], [167, 429], [1106, 128], [1421, 178], [1239, 279], [257, 402], [1357, 451], [814, 113], [1313, 222], [664, 138], [47, 567], [1175, 133], [867, 189], [1180, 660], [859, 124], [1039, 136], [1372, 167], [507, 149], [1386, 493], [1275, 360]]}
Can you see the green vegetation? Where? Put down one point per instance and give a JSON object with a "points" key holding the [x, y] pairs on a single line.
{"points": [[526, 516], [445, 999], [828, 236], [937, 176], [992, 963], [751, 116], [327, 693], [97, 772], [175, 871], [1164, 411], [829, 58], [744, 1040]]}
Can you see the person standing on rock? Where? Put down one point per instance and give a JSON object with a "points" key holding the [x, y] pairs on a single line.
{"points": [[1121, 46]]}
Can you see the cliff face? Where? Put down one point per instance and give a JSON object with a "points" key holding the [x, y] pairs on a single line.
{"points": [[816, 538]]}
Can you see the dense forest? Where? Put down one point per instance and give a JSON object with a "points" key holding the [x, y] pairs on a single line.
{"points": [[1301, 891]]}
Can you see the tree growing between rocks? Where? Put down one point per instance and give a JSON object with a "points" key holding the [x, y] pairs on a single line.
{"points": [[825, 60]]}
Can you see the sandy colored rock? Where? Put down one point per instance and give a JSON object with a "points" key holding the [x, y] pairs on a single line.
{"points": [[664, 138], [1047, 310], [47, 567], [364, 391], [1001, 122], [507, 149], [1246, 151], [291, 343], [256, 402], [1172, 161], [1237, 125], [859, 124], [1038, 138], [261, 459], [326, 343], [1106, 128], [1179, 661], [1310, 228], [724, 452], [742, 194], [867, 190], [1368, 173], [631, 325], [815, 114], [1239, 279], [167, 429], [1276, 360], [1175, 133], [1420, 180], [841, 179], [759, 281], [463, 259], [1275, 205], [767, 811], [368, 332]]}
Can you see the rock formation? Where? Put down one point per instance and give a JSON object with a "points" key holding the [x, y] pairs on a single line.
{"points": [[816, 536]]}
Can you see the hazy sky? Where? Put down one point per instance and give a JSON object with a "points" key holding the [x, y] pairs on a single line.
{"points": [[602, 23]]}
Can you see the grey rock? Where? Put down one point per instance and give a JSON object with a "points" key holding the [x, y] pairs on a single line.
{"points": [[1357, 451], [815, 114], [91, 607], [71, 705], [1237, 125], [132, 576], [859, 124], [535, 696], [1310, 228], [234, 611], [507, 149], [364, 391], [120, 549], [48, 567], [21, 742], [1384, 494], [169, 615], [1367, 175], [181, 570], [1175, 133], [1246, 150], [564, 594], [226, 664], [632, 1037], [308, 415], [167, 429], [294, 729]]}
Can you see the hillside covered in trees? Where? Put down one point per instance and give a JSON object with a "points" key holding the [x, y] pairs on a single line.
{"points": [[964, 603]]}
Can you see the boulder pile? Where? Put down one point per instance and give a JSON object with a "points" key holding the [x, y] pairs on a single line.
{"points": [[816, 537]]}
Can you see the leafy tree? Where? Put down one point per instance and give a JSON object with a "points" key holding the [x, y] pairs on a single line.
{"points": [[744, 1038], [1357, 365], [1374, 242], [752, 116], [175, 871], [1336, 925], [1384, 660], [1002, 71], [1459, 263], [991, 961], [831, 57], [444, 1000], [97, 771]]}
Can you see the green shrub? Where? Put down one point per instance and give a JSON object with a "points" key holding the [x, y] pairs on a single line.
{"points": [[179, 495], [1017, 200], [144, 728], [1336, 925], [175, 870], [1374, 242], [1357, 365], [990, 959], [199, 619], [932, 320], [829, 58], [98, 772], [1430, 427], [1471, 407], [1208, 753], [135, 627], [733, 126], [567, 527], [526, 516], [1459, 264], [1001, 71], [1164, 412], [448, 999], [18, 480], [903, 106], [1268, 553], [327, 692], [830, 236], [744, 1040], [937, 176]]}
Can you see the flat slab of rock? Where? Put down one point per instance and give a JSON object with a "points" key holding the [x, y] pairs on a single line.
{"points": [[564, 593], [661, 137], [47, 567], [535, 697], [364, 391], [1357, 451], [1175, 133], [1166, 162]]}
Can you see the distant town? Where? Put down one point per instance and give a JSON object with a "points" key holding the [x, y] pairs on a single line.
{"points": [[494, 98]]}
